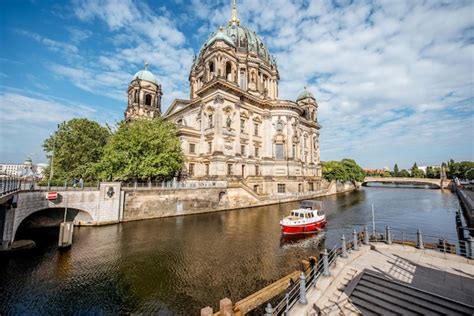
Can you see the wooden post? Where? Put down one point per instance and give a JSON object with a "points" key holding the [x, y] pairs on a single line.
{"points": [[206, 311], [225, 307]]}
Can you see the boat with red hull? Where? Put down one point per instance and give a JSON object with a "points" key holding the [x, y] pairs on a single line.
{"points": [[308, 218]]}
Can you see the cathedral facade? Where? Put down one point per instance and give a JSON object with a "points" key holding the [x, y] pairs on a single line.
{"points": [[233, 127]]}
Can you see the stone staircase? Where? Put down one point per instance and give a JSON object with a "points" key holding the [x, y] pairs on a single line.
{"points": [[339, 303], [375, 295]]}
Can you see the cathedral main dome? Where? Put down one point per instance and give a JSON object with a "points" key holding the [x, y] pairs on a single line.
{"points": [[240, 37]]}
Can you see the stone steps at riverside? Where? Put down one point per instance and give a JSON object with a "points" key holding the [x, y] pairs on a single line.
{"points": [[377, 295], [338, 303]]}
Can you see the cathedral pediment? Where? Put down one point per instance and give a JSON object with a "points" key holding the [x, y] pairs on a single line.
{"points": [[176, 106]]}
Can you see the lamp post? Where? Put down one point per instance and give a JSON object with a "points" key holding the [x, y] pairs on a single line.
{"points": [[51, 170]]}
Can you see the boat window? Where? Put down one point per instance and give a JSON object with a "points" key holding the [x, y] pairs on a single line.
{"points": [[301, 215], [293, 214]]}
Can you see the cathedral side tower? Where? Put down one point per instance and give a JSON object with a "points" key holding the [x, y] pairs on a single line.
{"points": [[144, 96]]}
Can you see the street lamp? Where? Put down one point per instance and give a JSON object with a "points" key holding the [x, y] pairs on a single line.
{"points": [[52, 161]]}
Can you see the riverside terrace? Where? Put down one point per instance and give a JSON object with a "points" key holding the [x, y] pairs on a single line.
{"points": [[388, 275]]}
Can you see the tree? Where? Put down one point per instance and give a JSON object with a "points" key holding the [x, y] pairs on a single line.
{"points": [[417, 173], [470, 174], [78, 145], [404, 173], [433, 173], [395, 170], [344, 170], [143, 149], [458, 169]]}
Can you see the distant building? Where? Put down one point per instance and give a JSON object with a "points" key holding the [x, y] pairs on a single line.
{"points": [[25, 169]]}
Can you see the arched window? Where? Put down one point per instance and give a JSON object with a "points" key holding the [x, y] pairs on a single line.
{"points": [[211, 69], [228, 71], [148, 99]]}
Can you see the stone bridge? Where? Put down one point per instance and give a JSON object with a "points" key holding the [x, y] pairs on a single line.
{"points": [[439, 183], [91, 206]]}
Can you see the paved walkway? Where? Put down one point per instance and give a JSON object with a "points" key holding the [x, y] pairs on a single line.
{"points": [[447, 275]]}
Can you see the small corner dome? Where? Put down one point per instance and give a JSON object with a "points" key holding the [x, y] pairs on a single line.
{"points": [[304, 95], [220, 35], [146, 75]]}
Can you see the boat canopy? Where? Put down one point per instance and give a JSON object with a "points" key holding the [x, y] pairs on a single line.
{"points": [[310, 204]]}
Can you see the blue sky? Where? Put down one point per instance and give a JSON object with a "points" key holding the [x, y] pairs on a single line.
{"points": [[394, 79]]}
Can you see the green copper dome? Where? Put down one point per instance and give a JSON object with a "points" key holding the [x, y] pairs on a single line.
{"points": [[241, 38], [220, 35], [146, 75], [304, 95]]}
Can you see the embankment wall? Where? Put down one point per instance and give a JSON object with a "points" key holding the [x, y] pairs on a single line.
{"points": [[155, 203]]}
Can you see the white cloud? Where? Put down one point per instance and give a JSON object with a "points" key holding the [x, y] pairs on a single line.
{"points": [[28, 119], [53, 45]]}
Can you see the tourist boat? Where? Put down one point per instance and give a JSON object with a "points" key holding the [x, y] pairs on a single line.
{"points": [[308, 218]]}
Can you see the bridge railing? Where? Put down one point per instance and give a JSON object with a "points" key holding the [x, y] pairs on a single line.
{"points": [[9, 185]]}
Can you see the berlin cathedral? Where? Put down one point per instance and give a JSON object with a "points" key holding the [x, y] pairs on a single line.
{"points": [[233, 127]]}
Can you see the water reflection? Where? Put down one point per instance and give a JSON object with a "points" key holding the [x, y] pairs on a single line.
{"points": [[175, 266]]}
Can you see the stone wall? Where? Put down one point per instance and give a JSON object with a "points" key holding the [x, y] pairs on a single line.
{"points": [[154, 203]]}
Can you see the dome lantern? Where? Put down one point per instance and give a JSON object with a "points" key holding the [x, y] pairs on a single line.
{"points": [[146, 75], [305, 95]]}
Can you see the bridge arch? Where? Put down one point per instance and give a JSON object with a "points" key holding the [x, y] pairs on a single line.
{"points": [[51, 217]]}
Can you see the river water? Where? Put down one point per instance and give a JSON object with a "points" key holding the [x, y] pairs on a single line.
{"points": [[175, 266]]}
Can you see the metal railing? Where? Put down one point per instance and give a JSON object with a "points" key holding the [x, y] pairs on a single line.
{"points": [[296, 291], [419, 239], [175, 185], [9, 185], [308, 278]]}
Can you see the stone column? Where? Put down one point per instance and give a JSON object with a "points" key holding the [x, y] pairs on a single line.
{"points": [[419, 240], [343, 247]]}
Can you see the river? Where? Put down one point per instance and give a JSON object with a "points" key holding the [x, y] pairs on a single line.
{"points": [[175, 266]]}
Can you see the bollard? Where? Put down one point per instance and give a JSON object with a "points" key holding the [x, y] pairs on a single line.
{"points": [[326, 272], [366, 236], [269, 310], [388, 235], [287, 303], [207, 311], [419, 240], [470, 245], [303, 299], [355, 240], [343, 247]]}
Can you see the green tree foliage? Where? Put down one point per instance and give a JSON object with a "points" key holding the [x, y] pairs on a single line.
{"points": [[433, 173], [78, 145], [469, 174], [459, 169], [344, 170], [395, 171], [142, 150], [417, 173], [404, 173]]}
